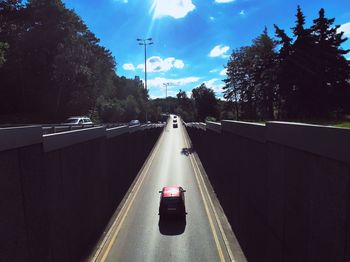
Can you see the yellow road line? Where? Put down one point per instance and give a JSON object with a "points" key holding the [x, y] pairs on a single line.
{"points": [[217, 219], [216, 239], [216, 215], [122, 214]]}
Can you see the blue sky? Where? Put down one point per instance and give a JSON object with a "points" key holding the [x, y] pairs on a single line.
{"points": [[192, 38]]}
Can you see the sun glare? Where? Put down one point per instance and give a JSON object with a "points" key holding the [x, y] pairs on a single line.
{"points": [[174, 8]]}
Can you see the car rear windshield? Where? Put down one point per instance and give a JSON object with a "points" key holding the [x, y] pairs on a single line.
{"points": [[171, 200]]}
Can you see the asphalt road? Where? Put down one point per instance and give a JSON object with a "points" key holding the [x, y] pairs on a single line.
{"points": [[137, 235]]}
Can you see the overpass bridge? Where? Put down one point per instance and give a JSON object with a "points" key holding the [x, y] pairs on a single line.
{"points": [[274, 192]]}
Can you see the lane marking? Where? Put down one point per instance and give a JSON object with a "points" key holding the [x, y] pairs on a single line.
{"points": [[217, 220], [216, 239], [229, 251], [127, 205]]}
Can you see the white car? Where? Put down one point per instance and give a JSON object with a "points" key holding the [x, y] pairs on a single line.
{"points": [[78, 120], [134, 123]]}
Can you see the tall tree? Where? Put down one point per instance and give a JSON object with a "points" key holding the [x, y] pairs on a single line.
{"points": [[237, 80], [264, 66], [332, 68], [251, 82], [185, 106], [57, 65], [303, 69], [205, 102], [285, 92]]}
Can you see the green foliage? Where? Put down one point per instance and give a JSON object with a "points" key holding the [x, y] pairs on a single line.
{"points": [[56, 68], [251, 79], [308, 78], [205, 102]]}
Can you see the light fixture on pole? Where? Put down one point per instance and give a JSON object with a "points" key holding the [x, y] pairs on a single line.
{"points": [[166, 95], [166, 89], [145, 42]]}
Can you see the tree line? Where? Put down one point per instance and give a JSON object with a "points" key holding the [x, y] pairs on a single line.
{"points": [[52, 67], [201, 105], [301, 77]]}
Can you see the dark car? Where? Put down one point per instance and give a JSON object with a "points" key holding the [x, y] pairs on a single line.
{"points": [[172, 201], [174, 125]]}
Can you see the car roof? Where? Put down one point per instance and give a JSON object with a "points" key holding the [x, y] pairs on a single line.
{"points": [[171, 191], [76, 117]]}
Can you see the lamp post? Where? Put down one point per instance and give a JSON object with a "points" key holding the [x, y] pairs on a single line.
{"points": [[145, 42], [166, 95], [166, 89]]}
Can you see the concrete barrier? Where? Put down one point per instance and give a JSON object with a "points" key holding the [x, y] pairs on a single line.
{"points": [[58, 191], [283, 186]]}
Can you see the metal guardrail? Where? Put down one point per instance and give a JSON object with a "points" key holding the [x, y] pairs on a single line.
{"points": [[51, 129], [58, 128]]}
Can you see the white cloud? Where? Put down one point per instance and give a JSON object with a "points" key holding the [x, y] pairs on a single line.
{"points": [[215, 84], [242, 12], [211, 18], [179, 64], [129, 66], [173, 82], [345, 28], [141, 67], [157, 64], [174, 8], [214, 70], [224, 1], [223, 72], [219, 50]]}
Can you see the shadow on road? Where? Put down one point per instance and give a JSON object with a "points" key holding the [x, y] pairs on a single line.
{"points": [[172, 226], [186, 151]]}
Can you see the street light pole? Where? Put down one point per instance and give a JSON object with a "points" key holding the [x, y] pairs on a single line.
{"points": [[145, 42], [166, 89], [166, 95]]}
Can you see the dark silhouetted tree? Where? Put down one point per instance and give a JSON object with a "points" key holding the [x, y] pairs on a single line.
{"points": [[205, 102]]}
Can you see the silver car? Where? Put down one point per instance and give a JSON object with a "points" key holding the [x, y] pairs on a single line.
{"points": [[78, 120]]}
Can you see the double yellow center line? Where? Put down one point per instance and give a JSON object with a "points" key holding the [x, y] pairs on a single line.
{"points": [[105, 247], [109, 240], [200, 182]]}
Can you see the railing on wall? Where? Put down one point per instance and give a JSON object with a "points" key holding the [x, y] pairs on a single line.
{"points": [[285, 187]]}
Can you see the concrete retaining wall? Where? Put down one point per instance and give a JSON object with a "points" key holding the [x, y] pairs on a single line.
{"points": [[57, 192], [284, 187]]}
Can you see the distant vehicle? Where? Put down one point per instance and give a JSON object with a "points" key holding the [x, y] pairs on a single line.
{"points": [[148, 122], [134, 123], [174, 125], [172, 201], [78, 120], [175, 116], [175, 120]]}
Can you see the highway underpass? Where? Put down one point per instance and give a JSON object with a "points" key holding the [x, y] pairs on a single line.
{"points": [[135, 234]]}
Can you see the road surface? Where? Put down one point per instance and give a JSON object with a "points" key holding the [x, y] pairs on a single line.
{"points": [[137, 235]]}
